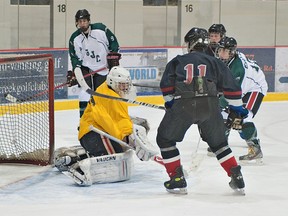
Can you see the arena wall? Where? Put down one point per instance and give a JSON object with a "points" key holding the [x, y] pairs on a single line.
{"points": [[147, 64]]}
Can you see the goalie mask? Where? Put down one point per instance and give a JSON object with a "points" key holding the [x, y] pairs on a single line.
{"points": [[82, 20], [120, 81], [227, 49], [196, 39]]}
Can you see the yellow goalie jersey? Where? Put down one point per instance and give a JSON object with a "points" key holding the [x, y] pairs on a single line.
{"points": [[106, 114]]}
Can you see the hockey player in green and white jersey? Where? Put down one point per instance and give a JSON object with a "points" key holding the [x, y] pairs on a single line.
{"points": [[254, 87], [92, 47]]}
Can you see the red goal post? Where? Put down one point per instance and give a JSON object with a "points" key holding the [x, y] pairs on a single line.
{"points": [[27, 109]]}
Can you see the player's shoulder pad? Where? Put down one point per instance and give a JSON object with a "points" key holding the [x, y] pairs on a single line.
{"points": [[75, 34], [100, 26]]}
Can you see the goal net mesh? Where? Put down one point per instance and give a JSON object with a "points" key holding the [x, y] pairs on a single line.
{"points": [[27, 109]]}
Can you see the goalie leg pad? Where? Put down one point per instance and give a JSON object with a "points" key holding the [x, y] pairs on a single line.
{"points": [[103, 169]]}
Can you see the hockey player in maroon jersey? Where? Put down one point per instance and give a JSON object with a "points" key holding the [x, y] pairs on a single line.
{"points": [[190, 86]]}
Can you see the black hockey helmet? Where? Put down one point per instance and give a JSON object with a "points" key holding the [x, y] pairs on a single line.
{"points": [[217, 28], [196, 39], [230, 44], [82, 14]]}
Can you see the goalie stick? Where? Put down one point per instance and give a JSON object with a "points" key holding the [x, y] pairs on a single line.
{"points": [[156, 158], [13, 99], [84, 85]]}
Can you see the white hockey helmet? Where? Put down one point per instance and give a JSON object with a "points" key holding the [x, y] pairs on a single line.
{"points": [[120, 81]]}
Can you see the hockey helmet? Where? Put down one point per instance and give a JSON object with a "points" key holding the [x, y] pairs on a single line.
{"points": [[196, 39], [217, 28], [227, 43], [82, 14], [120, 81]]}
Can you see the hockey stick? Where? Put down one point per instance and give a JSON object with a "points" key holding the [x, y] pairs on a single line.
{"points": [[91, 92], [196, 157], [157, 159], [145, 86], [13, 99], [84, 85]]}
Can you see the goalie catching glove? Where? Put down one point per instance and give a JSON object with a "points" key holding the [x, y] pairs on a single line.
{"points": [[113, 59], [236, 116], [71, 79], [138, 140], [142, 122]]}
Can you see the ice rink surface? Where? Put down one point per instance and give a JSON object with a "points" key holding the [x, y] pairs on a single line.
{"points": [[28, 190]]}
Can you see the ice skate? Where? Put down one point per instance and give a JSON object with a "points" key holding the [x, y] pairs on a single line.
{"points": [[254, 156], [237, 182], [177, 184]]}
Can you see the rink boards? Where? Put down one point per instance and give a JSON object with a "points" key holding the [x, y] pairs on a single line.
{"points": [[156, 99]]}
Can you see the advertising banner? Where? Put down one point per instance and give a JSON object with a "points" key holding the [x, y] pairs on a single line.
{"points": [[265, 58], [32, 73], [146, 67], [281, 76]]}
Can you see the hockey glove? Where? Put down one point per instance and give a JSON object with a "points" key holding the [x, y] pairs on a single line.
{"points": [[143, 148], [169, 104], [169, 101], [236, 116], [71, 79], [142, 122], [113, 59]]}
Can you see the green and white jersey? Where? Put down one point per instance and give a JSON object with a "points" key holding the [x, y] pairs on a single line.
{"points": [[248, 74], [91, 50]]}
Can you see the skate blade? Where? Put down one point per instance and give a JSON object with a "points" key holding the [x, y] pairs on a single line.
{"points": [[258, 162], [239, 191], [178, 191]]}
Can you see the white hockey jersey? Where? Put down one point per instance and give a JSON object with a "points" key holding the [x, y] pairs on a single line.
{"points": [[91, 50], [249, 74]]}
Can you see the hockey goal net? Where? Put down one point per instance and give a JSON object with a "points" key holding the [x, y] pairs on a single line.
{"points": [[26, 109]]}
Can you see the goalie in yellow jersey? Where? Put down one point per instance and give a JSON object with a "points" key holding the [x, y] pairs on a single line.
{"points": [[100, 159]]}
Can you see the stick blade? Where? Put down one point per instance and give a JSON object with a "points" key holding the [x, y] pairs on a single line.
{"points": [[10, 98]]}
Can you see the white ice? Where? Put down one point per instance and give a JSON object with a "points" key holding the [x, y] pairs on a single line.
{"points": [[51, 193]]}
